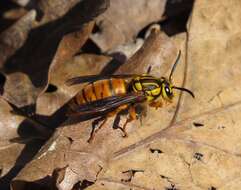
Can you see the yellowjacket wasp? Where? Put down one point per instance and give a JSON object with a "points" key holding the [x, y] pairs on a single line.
{"points": [[105, 96]]}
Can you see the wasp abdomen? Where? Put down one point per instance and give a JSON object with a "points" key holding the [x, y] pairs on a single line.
{"points": [[98, 90]]}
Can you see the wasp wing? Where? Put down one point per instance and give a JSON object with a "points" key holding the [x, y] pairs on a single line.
{"points": [[108, 104], [93, 78]]}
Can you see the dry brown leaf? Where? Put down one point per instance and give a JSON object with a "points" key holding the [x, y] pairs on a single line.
{"points": [[15, 14], [123, 52], [78, 11], [156, 52], [71, 44], [22, 2], [8, 130], [53, 10], [14, 37], [124, 19], [27, 74], [14, 155], [51, 156]]}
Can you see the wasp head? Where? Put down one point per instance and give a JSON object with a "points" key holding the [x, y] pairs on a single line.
{"points": [[166, 89], [167, 84]]}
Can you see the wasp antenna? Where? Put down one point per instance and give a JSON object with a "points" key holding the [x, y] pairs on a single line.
{"points": [[148, 70], [174, 66], [184, 89]]}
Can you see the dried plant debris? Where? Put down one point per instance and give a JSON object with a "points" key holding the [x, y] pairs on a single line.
{"points": [[187, 144], [135, 15], [14, 37], [75, 11], [21, 2], [14, 156], [29, 35], [162, 50]]}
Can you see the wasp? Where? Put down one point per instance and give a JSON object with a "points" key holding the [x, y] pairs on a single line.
{"points": [[109, 95]]}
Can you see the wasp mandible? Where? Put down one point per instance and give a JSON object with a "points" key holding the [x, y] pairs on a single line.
{"points": [[106, 96]]}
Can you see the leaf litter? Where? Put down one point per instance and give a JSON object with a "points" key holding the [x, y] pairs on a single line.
{"points": [[166, 151]]}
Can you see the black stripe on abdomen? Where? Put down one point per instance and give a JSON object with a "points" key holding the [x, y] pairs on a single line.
{"points": [[111, 87], [93, 89], [84, 96]]}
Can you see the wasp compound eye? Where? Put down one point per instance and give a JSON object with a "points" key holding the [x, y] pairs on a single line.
{"points": [[168, 91]]}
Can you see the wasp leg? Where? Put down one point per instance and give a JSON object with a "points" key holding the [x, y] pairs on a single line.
{"points": [[141, 111], [117, 121], [156, 104], [94, 125], [131, 116]]}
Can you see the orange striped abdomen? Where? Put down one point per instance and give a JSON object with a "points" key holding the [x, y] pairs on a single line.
{"points": [[98, 90]]}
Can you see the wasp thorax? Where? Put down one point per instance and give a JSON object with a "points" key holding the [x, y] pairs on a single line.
{"points": [[150, 85]]}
